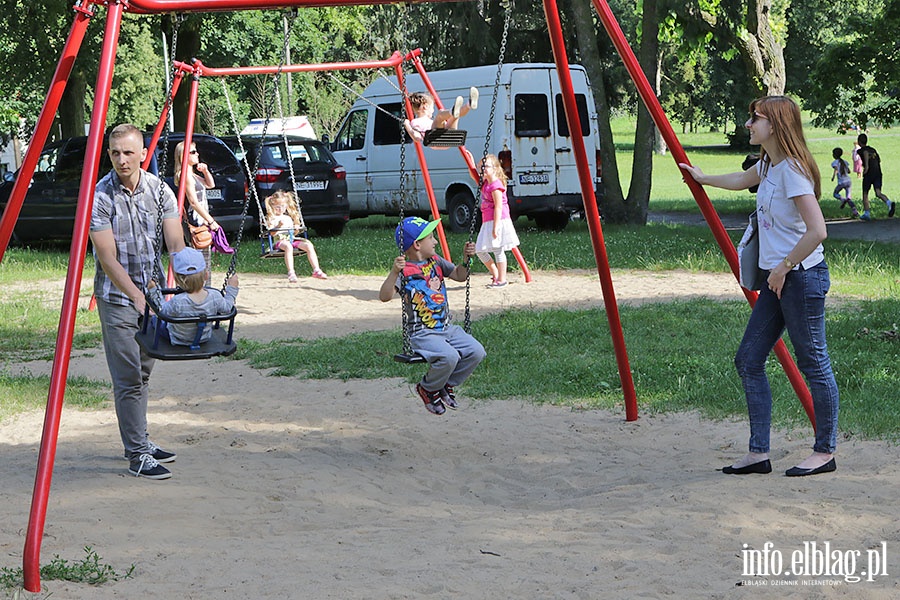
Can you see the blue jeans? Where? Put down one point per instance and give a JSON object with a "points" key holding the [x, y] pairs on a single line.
{"points": [[801, 311]]}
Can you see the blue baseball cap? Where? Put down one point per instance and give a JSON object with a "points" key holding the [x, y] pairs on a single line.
{"points": [[188, 261], [413, 229]]}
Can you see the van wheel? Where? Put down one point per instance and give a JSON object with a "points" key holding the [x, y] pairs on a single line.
{"points": [[552, 221], [461, 211]]}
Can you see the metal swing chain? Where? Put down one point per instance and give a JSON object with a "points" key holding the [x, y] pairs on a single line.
{"points": [[161, 168], [487, 145], [289, 157]]}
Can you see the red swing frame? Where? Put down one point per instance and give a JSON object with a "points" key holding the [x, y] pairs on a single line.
{"points": [[115, 9]]}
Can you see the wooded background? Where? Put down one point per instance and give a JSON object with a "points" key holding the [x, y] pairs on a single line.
{"points": [[707, 58]]}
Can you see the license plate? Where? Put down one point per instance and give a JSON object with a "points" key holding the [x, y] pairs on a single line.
{"points": [[214, 194], [526, 178], [309, 185]]}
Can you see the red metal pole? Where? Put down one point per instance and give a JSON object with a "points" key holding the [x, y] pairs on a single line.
{"points": [[188, 6], [44, 123], [470, 164], [426, 176], [551, 13], [31, 559], [706, 207]]}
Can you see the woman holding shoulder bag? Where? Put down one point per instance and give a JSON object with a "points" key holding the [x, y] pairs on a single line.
{"points": [[199, 221], [791, 231]]}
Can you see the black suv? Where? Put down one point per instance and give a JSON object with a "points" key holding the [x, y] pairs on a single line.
{"points": [[320, 182], [48, 212]]}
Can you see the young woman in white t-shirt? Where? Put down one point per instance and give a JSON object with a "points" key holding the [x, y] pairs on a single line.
{"points": [[791, 231]]}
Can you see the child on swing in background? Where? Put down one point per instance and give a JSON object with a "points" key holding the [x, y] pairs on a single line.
{"points": [[283, 222], [189, 266], [842, 173], [425, 119], [497, 232], [418, 275]]}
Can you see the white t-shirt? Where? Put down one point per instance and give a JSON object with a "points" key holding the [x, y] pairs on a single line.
{"points": [[780, 223]]}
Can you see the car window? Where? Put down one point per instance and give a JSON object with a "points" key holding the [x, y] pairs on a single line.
{"points": [[562, 126], [311, 155], [219, 158], [352, 135], [387, 127], [532, 116], [46, 164], [71, 160]]}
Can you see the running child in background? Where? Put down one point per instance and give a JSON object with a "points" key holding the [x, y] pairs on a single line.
{"points": [[418, 275], [842, 173], [283, 221], [857, 160], [497, 234], [425, 119]]}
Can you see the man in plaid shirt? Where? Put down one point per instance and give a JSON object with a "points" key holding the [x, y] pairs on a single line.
{"points": [[123, 231]]}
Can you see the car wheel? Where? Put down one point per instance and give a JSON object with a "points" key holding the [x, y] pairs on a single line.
{"points": [[553, 221], [329, 228], [461, 211]]}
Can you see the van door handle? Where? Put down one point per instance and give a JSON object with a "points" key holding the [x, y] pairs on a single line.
{"points": [[361, 157], [563, 149]]}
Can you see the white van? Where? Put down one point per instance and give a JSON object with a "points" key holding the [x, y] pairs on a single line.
{"points": [[291, 126], [529, 134]]}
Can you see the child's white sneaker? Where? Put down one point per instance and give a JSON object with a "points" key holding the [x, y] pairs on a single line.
{"points": [[292, 277], [457, 107], [473, 98]]}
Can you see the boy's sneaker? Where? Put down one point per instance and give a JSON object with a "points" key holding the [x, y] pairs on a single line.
{"points": [[161, 456], [449, 398], [457, 107], [855, 214], [892, 207], [865, 216], [147, 466], [432, 400], [473, 98]]}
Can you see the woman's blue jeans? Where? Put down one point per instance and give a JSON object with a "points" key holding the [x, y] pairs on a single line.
{"points": [[801, 310]]}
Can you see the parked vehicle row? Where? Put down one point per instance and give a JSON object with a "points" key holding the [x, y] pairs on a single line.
{"points": [[48, 211]]}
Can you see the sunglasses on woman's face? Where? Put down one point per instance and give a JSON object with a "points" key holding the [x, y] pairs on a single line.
{"points": [[756, 117], [194, 152]]}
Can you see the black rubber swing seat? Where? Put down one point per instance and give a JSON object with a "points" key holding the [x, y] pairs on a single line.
{"points": [[270, 251], [155, 340], [444, 138], [409, 359]]}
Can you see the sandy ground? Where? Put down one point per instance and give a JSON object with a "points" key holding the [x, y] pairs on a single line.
{"points": [[329, 489]]}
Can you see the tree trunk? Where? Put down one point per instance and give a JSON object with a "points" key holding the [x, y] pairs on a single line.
{"points": [[187, 48], [761, 51], [71, 106], [610, 197], [638, 199]]}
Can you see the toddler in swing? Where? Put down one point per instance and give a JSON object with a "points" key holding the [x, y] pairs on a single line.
{"points": [[842, 173], [497, 232], [283, 221], [189, 266], [426, 119], [418, 275]]}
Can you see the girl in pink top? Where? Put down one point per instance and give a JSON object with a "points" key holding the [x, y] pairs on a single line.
{"points": [[497, 233]]}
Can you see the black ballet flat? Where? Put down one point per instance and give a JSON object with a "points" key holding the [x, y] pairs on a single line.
{"points": [[798, 472], [762, 467]]}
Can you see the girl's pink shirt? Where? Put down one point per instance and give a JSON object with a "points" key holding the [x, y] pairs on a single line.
{"points": [[487, 201]]}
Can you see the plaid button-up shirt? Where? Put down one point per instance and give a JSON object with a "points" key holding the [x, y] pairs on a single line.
{"points": [[133, 220]]}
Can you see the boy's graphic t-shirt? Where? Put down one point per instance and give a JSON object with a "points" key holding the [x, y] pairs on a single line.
{"points": [[425, 295]]}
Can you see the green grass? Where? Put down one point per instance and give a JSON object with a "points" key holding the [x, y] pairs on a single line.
{"points": [[680, 355], [23, 392], [88, 570]]}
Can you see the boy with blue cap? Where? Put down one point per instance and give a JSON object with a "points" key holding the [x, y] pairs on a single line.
{"points": [[189, 266], [418, 275]]}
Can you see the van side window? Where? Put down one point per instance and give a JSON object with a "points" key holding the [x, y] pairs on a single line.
{"points": [[532, 115], [387, 129], [562, 126], [352, 135]]}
